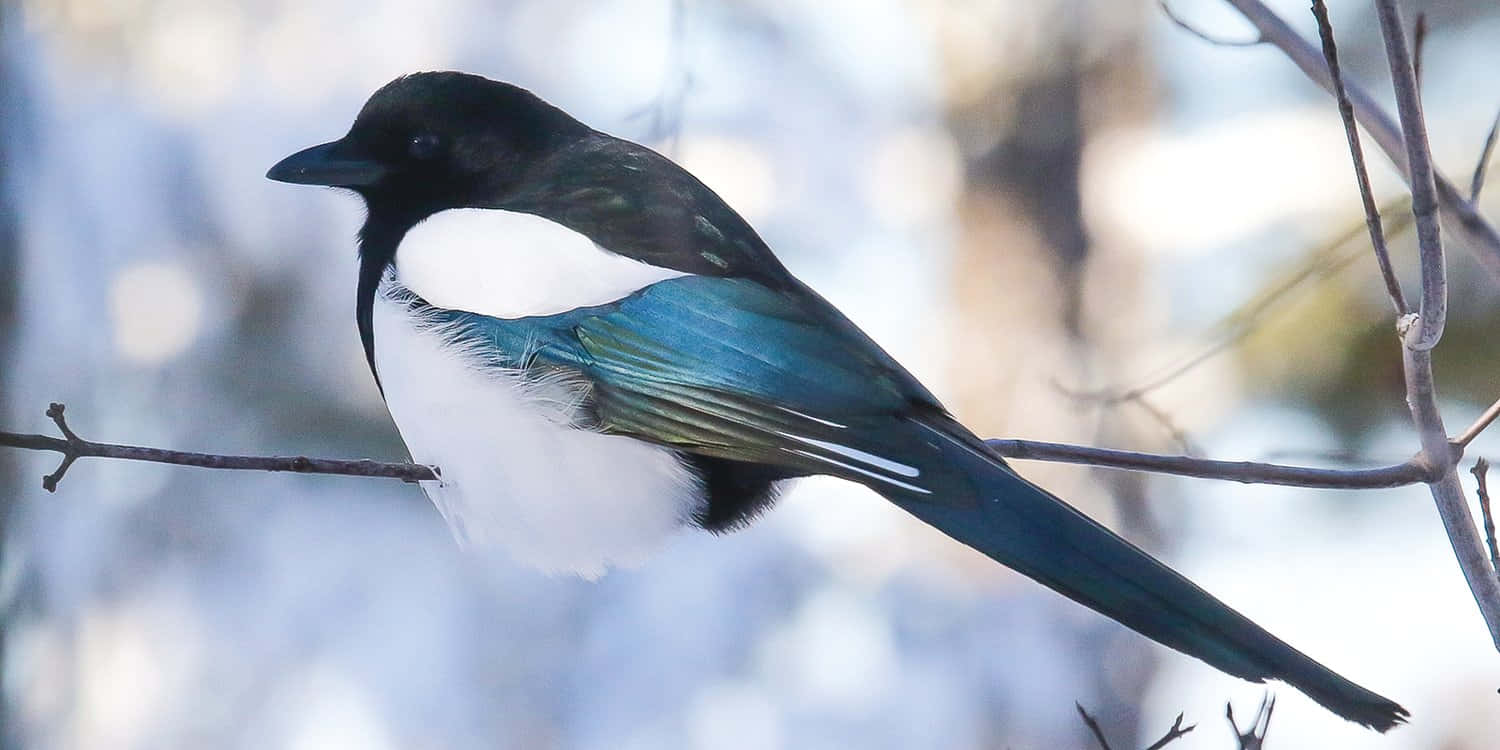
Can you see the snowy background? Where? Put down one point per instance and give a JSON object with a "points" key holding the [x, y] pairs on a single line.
{"points": [[1019, 200]]}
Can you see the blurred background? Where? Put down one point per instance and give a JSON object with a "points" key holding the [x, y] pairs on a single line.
{"points": [[1039, 207]]}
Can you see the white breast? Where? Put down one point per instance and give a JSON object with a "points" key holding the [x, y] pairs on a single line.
{"points": [[511, 265], [516, 473]]}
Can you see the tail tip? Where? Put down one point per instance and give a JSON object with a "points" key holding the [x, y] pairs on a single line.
{"points": [[1383, 717]]}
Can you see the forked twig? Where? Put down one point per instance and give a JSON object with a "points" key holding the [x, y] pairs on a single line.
{"points": [[1174, 732], [1254, 736]]}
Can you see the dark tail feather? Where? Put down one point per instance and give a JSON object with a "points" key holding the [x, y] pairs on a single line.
{"points": [[1026, 528]]}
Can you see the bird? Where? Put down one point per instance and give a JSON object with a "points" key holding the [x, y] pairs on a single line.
{"points": [[596, 351]]}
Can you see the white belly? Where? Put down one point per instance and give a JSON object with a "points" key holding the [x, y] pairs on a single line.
{"points": [[515, 474]]}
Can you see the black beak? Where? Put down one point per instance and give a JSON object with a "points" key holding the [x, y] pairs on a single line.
{"points": [[328, 164]]}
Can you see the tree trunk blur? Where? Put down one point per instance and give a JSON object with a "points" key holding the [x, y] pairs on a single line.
{"points": [[1037, 297], [9, 309]]}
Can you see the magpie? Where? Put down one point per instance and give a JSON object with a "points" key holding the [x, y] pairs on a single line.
{"points": [[596, 351]]}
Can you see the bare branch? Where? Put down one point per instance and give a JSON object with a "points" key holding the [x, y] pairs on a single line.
{"points": [[1452, 506], [1420, 332], [73, 448], [1477, 184], [1477, 234], [1481, 472], [1182, 23], [1423, 180], [1407, 147], [1246, 472], [1254, 736], [1177, 730], [1361, 175]]}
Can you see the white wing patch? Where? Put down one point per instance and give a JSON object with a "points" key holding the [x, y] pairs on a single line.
{"points": [[859, 457], [506, 264]]}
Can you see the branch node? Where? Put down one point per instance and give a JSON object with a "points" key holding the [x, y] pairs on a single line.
{"points": [[1409, 327], [74, 448]]}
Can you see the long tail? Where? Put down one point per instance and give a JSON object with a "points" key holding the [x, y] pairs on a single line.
{"points": [[1020, 525]]}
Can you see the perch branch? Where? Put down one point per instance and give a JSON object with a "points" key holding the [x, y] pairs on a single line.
{"points": [[73, 448], [1413, 471], [1245, 472]]}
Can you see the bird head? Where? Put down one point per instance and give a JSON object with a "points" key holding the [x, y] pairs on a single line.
{"points": [[431, 141]]}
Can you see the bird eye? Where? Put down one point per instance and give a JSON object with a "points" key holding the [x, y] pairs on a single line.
{"points": [[423, 146]]}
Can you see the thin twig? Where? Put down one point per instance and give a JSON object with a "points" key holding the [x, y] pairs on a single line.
{"points": [[1484, 421], [1239, 324], [1182, 23], [1176, 731], [1361, 175], [1178, 435], [1093, 726], [1254, 736], [1477, 234], [73, 448], [1434, 306], [1477, 184], [1481, 472]]}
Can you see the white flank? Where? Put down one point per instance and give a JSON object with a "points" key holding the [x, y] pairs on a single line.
{"points": [[512, 265], [515, 473]]}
